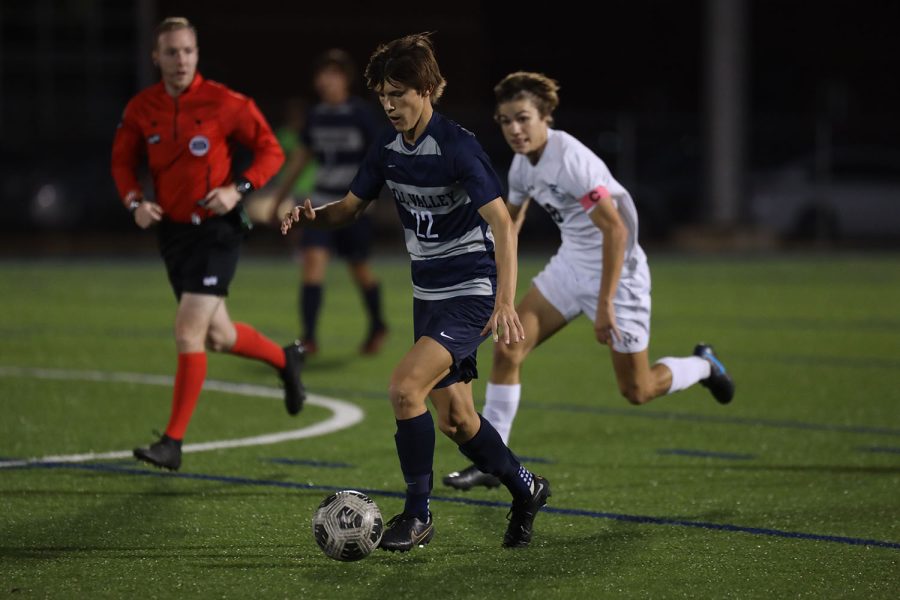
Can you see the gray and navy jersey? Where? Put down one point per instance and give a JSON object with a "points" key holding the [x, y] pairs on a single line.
{"points": [[338, 136], [438, 186]]}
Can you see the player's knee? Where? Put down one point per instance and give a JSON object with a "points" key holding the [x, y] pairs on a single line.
{"points": [[405, 396], [188, 341], [509, 356], [636, 394], [459, 425], [448, 426], [217, 342]]}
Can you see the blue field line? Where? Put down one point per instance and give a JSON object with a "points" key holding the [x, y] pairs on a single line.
{"points": [[706, 454], [662, 415], [885, 449], [639, 519], [308, 463], [675, 416]]}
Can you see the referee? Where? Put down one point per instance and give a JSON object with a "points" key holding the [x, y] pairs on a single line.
{"points": [[184, 125]]}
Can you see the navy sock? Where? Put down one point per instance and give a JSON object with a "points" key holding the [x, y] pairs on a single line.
{"points": [[372, 300], [488, 452], [415, 447], [310, 303]]}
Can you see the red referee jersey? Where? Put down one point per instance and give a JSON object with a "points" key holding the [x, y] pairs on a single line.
{"points": [[187, 144]]}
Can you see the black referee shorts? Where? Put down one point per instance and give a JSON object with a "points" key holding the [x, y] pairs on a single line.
{"points": [[201, 259]]}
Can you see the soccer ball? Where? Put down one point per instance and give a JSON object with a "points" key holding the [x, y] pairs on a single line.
{"points": [[347, 525]]}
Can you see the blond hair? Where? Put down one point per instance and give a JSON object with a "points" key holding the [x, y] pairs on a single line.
{"points": [[173, 24]]}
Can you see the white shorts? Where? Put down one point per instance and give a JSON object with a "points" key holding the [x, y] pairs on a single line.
{"points": [[574, 291]]}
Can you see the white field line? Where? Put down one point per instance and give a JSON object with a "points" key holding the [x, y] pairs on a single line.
{"points": [[344, 414]]}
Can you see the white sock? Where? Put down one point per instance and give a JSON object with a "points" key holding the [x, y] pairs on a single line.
{"points": [[685, 371], [500, 406]]}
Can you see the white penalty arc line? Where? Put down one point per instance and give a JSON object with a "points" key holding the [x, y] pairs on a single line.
{"points": [[344, 414]]}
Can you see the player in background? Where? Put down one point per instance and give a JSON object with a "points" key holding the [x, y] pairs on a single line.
{"points": [[289, 136], [463, 259], [184, 125], [338, 131], [599, 270], [260, 205]]}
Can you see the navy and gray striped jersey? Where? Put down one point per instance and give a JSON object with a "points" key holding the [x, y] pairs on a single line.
{"points": [[338, 136], [438, 185]]}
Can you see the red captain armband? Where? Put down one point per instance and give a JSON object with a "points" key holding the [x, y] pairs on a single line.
{"points": [[590, 200]]}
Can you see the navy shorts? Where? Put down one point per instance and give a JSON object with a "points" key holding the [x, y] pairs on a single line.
{"points": [[455, 324], [353, 243], [201, 259]]}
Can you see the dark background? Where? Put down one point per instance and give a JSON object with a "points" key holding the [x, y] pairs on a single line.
{"points": [[819, 80]]}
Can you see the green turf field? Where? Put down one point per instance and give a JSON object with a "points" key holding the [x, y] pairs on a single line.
{"points": [[793, 490]]}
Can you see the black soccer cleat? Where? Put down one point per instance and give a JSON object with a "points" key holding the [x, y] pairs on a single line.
{"points": [[404, 532], [719, 382], [522, 513], [294, 392], [165, 454], [470, 477]]}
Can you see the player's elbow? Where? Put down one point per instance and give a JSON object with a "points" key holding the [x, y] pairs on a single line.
{"points": [[505, 229], [615, 231]]}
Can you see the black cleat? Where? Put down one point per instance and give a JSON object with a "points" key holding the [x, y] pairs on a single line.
{"points": [[404, 532], [522, 512], [470, 477], [165, 454], [294, 392], [719, 382]]}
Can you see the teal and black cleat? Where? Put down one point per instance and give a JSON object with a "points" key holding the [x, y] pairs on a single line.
{"points": [[719, 382]]}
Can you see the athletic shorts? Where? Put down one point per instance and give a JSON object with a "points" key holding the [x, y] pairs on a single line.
{"points": [[456, 324], [573, 291], [353, 243], [201, 259]]}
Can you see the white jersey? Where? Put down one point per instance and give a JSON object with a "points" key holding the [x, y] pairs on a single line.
{"points": [[563, 182]]}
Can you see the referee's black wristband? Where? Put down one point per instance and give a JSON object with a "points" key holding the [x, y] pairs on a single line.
{"points": [[243, 186]]}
